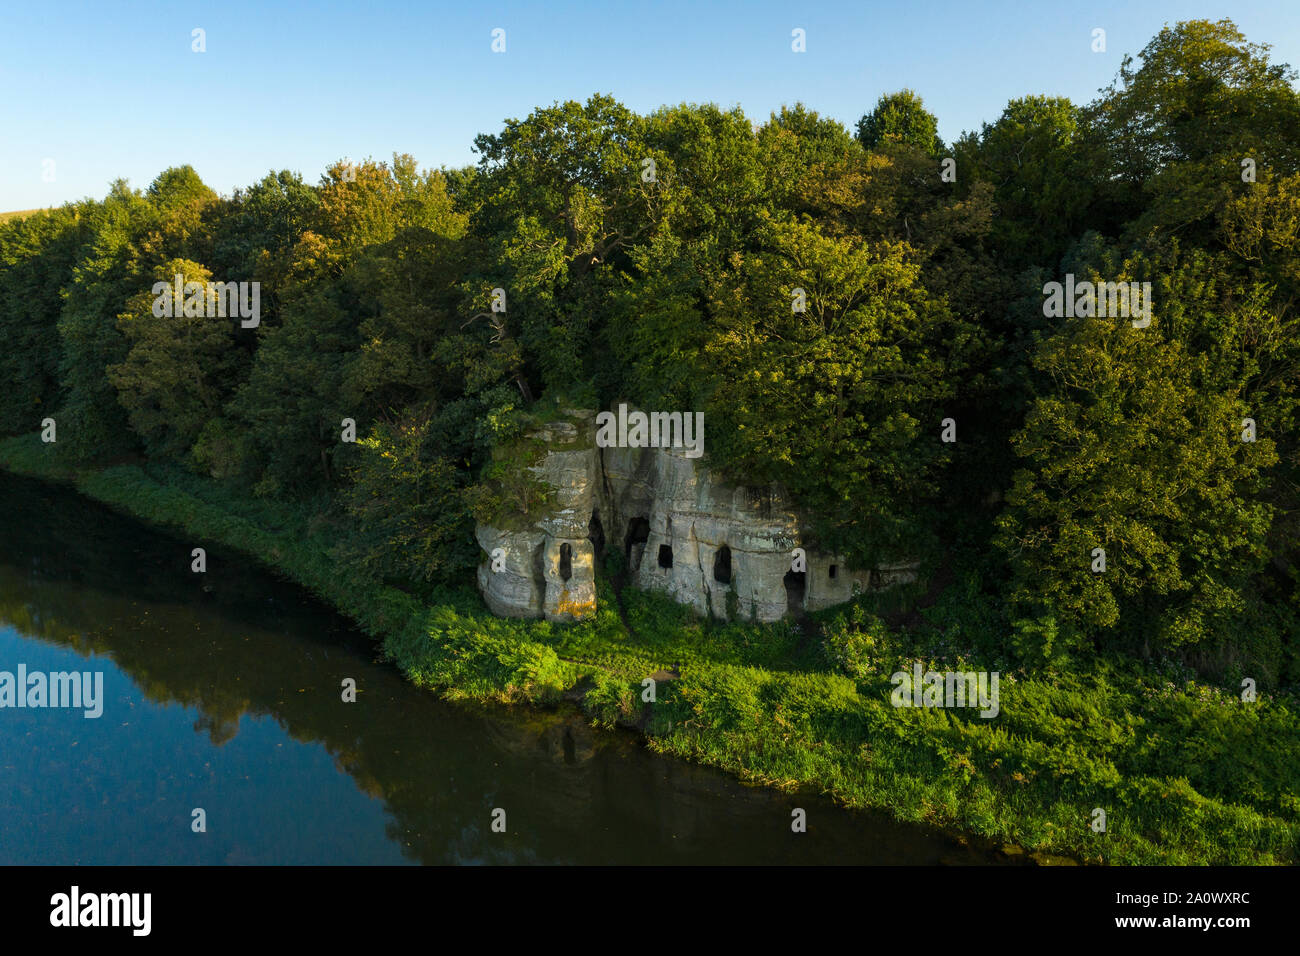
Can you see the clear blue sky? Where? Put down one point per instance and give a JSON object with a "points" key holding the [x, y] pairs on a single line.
{"points": [[109, 89]]}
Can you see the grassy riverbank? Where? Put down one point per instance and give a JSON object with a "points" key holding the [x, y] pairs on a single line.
{"points": [[1185, 773]]}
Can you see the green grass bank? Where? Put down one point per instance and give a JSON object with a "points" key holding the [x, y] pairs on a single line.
{"points": [[1185, 772]]}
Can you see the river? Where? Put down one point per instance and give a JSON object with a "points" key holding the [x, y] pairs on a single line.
{"points": [[222, 692]]}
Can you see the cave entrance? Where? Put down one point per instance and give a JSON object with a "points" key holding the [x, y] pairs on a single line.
{"points": [[566, 561], [596, 532], [638, 533], [722, 565], [796, 584], [665, 556]]}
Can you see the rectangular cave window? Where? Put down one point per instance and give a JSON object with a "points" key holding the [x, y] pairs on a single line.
{"points": [[796, 584], [566, 562], [722, 565], [833, 569], [638, 532], [596, 532], [665, 556]]}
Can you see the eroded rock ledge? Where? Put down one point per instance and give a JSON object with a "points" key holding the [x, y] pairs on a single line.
{"points": [[722, 549]]}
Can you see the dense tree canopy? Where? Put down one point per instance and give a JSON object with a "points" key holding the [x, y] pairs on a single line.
{"points": [[900, 117], [827, 300]]}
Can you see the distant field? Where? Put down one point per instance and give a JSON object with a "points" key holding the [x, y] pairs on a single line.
{"points": [[18, 214]]}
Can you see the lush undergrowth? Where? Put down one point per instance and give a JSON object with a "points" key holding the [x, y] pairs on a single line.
{"points": [[1184, 772]]}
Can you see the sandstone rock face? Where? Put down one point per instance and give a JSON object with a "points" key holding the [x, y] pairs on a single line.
{"points": [[727, 551], [513, 590], [569, 568], [548, 568], [688, 519], [571, 467]]}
